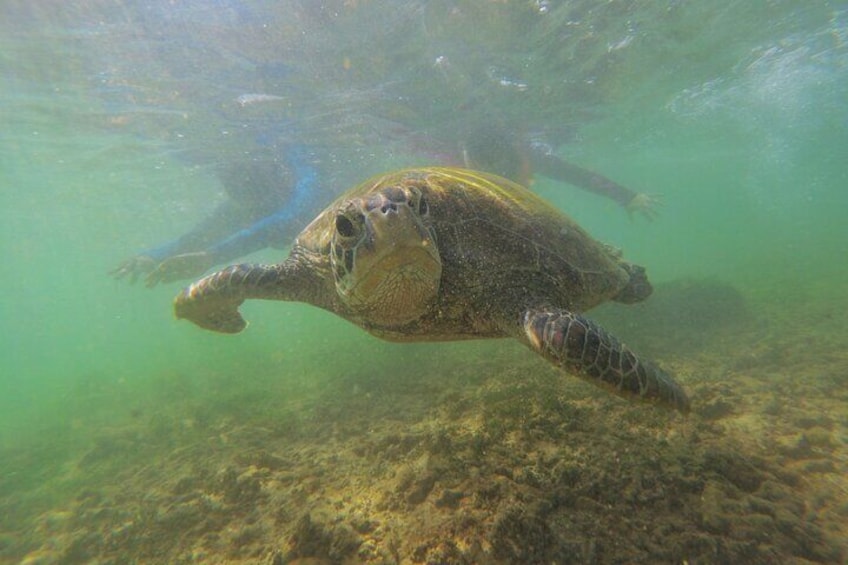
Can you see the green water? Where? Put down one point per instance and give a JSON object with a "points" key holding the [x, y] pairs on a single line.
{"points": [[735, 112]]}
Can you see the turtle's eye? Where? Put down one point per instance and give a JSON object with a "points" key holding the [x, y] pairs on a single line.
{"points": [[423, 207], [344, 226]]}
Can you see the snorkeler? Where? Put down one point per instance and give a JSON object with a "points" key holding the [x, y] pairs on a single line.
{"points": [[242, 224], [265, 197], [493, 149]]}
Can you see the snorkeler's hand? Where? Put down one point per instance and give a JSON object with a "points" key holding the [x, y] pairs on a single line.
{"points": [[133, 267], [647, 205], [184, 266]]}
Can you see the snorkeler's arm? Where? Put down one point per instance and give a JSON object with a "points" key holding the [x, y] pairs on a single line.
{"points": [[272, 229], [267, 231], [149, 260], [556, 168], [261, 234], [190, 240]]}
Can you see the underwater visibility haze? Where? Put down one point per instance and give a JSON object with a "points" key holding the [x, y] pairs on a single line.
{"points": [[127, 436]]}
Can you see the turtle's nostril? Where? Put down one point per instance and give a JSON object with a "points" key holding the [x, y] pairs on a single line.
{"points": [[389, 206]]}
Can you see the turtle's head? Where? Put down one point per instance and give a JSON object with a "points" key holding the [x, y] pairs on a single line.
{"points": [[386, 264]]}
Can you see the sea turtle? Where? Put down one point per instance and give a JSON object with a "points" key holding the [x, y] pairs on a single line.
{"points": [[438, 254]]}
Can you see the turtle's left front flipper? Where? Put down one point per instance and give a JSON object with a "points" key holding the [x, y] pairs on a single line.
{"points": [[580, 346]]}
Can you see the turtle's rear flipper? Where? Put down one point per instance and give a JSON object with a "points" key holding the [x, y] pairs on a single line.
{"points": [[212, 302], [582, 347], [638, 288]]}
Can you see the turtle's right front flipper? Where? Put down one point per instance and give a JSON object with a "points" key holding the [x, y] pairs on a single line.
{"points": [[581, 346], [212, 302]]}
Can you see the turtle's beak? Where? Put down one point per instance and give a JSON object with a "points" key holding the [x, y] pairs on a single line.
{"points": [[397, 267]]}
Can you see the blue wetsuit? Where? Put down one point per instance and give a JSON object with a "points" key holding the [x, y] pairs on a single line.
{"points": [[274, 230]]}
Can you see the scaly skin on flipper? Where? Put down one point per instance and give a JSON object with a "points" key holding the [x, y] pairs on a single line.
{"points": [[212, 302], [445, 254], [580, 346]]}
